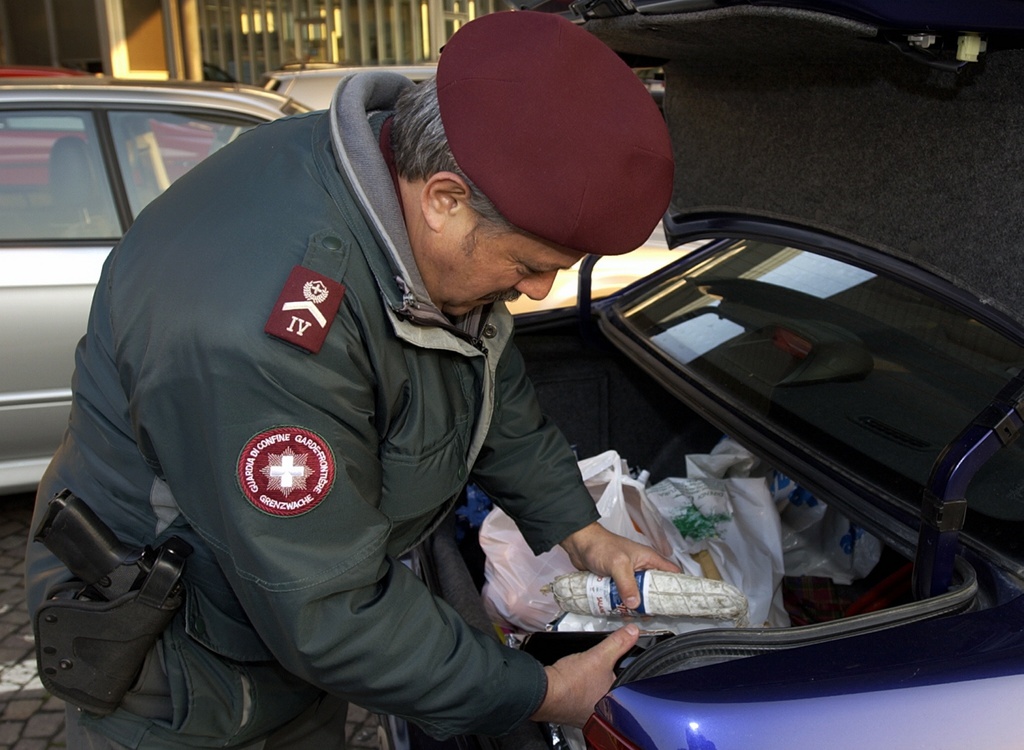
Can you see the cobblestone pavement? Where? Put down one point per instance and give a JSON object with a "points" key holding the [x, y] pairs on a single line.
{"points": [[30, 718]]}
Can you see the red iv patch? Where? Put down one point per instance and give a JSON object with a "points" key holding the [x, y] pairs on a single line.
{"points": [[305, 310], [286, 471]]}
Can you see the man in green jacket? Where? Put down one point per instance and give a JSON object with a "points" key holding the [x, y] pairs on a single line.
{"points": [[299, 355]]}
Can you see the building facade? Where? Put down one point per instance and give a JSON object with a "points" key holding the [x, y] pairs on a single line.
{"points": [[227, 39]]}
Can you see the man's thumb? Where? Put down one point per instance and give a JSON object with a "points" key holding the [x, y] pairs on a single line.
{"points": [[615, 646]]}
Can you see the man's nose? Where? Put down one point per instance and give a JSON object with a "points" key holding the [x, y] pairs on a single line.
{"points": [[537, 285]]}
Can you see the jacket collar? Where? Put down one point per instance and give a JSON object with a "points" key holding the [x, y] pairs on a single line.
{"points": [[360, 106]]}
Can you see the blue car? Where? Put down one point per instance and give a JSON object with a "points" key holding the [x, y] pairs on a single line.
{"points": [[847, 305]]}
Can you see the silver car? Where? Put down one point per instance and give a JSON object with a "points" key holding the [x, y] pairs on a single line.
{"points": [[79, 159]]}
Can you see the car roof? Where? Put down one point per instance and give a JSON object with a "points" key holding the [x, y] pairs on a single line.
{"points": [[98, 91], [839, 125], [314, 86], [326, 70]]}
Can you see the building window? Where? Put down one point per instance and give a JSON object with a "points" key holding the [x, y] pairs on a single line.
{"points": [[248, 38]]}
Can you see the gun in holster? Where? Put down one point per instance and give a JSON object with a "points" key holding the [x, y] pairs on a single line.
{"points": [[93, 633]]}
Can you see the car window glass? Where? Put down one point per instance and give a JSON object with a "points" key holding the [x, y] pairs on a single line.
{"points": [[874, 375], [53, 184], [156, 148]]}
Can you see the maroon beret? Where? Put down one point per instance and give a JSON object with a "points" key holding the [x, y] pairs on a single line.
{"points": [[556, 130]]}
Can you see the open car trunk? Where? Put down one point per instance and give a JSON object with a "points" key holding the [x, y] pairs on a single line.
{"points": [[795, 130], [603, 401]]}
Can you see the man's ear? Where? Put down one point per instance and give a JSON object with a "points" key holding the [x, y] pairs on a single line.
{"points": [[443, 197]]}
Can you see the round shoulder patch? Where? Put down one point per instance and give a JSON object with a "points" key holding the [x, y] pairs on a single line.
{"points": [[286, 471]]}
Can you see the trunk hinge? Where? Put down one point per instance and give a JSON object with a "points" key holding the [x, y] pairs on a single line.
{"points": [[944, 505], [587, 9]]}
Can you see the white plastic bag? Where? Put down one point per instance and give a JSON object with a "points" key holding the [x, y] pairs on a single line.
{"points": [[515, 576], [720, 510], [722, 520]]}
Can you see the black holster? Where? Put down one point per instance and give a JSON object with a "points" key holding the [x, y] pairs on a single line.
{"points": [[93, 633]]}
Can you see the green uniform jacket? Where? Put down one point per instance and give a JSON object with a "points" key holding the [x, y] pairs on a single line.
{"points": [[181, 397]]}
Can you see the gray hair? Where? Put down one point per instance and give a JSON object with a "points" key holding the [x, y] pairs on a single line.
{"points": [[421, 149]]}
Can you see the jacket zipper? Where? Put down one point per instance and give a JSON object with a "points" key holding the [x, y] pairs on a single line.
{"points": [[409, 311]]}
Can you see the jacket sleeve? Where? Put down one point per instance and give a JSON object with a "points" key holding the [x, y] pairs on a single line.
{"points": [[528, 466]]}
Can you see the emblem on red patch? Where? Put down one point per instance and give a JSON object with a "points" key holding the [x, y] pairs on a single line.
{"points": [[286, 471], [304, 311]]}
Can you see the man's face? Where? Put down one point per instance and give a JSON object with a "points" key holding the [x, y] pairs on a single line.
{"points": [[484, 266]]}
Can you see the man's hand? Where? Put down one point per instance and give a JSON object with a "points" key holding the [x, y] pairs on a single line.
{"points": [[578, 681], [598, 550]]}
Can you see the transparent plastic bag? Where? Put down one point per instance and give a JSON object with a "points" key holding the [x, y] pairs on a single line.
{"points": [[819, 541], [733, 523]]}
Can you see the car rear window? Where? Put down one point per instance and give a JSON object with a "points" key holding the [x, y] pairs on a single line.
{"points": [[864, 369]]}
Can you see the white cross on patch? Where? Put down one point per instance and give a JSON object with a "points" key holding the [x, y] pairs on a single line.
{"points": [[287, 471]]}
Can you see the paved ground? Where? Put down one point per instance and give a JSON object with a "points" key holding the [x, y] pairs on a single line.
{"points": [[30, 718]]}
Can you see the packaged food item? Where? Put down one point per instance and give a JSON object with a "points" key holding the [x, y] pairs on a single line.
{"points": [[661, 594]]}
